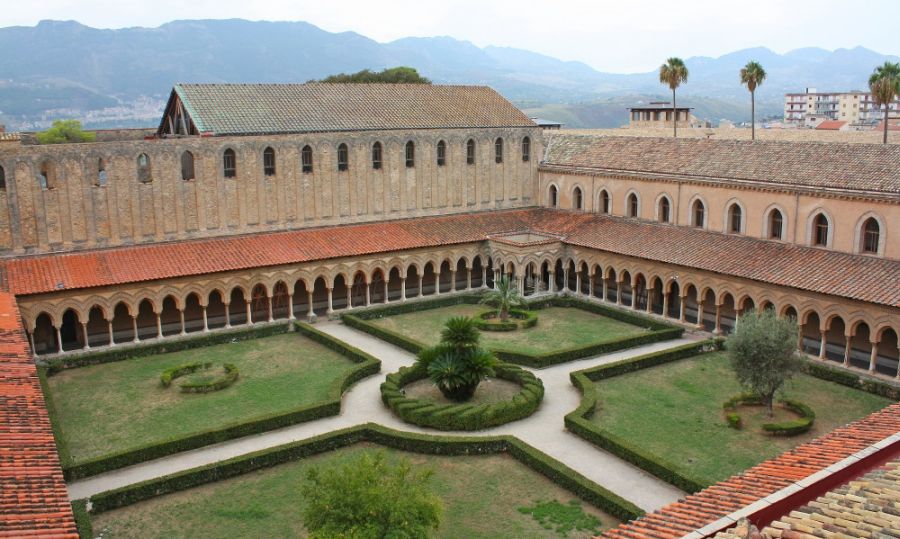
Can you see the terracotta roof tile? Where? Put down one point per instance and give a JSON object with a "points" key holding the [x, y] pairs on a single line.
{"points": [[33, 498]]}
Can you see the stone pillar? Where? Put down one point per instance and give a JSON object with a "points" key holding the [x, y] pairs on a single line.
{"points": [[402, 288], [822, 343], [681, 308], [484, 277], [134, 327], [291, 307], [700, 314], [87, 343], [31, 341], [566, 279], [453, 280], [158, 325], [368, 295], [552, 287], [577, 282], [437, 284], [349, 297], [847, 350], [496, 278], [591, 285], [665, 312], [718, 330], [181, 317], [650, 296], [634, 295], [421, 278], [605, 290], [468, 278], [619, 292], [269, 303], [737, 317], [386, 292], [520, 284], [873, 356], [330, 306], [59, 344], [205, 321], [112, 340], [310, 312], [227, 315], [249, 312]]}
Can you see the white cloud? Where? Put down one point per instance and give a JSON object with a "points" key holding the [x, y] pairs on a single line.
{"points": [[611, 36]]}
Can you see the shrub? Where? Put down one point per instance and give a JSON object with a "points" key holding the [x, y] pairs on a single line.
{"points": [[175, 372], [458, 364], [783, 428], [230, 376], [734, 420], [849, 378], [427, 413], [518, 318]]}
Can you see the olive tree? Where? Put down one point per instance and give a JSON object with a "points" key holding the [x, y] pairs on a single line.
{"points": [[763, 354]]}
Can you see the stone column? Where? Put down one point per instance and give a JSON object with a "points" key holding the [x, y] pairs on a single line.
{"points": [[134, 327], [291, 307], [484, 277], [59, 344], [368, 295], [437, 284], [822, 343], [402, 288], [349, 297], [158, 325], [873, 356], [619, 292], [205, 321], [566, 278], [591, 285], [249, 312], [634, 295], [330, 306], [681, 308], [31, 342], [650, 296], [310, 311], [496, 278], [386, 292], [847, 350], [181, 317], [578, 282], [665, 312], [737, 317], [421, 278], [269, 303], [605, 290], [112, 340], [453, 280], [227, 315], [87, 343], [468, 278], [718, 330], [520, 284], [700, 314], [552, 287]]}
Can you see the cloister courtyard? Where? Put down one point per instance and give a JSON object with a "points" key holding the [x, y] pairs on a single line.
{"points": [[153, 459]]}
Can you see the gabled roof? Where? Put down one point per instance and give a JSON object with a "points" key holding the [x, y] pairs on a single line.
{"points": [[831, 125], [816, 165], [252, 109]]}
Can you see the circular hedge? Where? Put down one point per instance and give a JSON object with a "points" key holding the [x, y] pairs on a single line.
{"points": [[518, 319], [463, 416], [228, 377], [783, 428]]}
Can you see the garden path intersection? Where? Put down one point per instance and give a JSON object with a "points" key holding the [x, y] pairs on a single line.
{"points": [[361, 404]]}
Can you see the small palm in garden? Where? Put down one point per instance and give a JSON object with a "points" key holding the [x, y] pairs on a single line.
{"points": [[504, 296], [458, 364]]}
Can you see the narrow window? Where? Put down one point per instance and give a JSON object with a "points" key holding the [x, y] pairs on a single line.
{"points": [[735, 219], [143, 169], [441, 153], [269, 161], [187, 166], [498, 150], [470, 152], [229, 163], [776, 225], [101, 173], [577, 198], [410, 154], [526, 149], [343, 158], [632, 205], [554, 196], [376, 156], [664, 209], [306, 160], [2, 179], [871, 235], [699, 214], [821, 230], [604, 201]]}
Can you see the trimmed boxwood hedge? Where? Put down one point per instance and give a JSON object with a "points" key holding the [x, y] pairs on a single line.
{"points": [[849, 378], [783, 428], [518, 318], [536, 460], [578, 420], [658, 331], [463, 416], [82, 520], [368, 365], [229, 377]]}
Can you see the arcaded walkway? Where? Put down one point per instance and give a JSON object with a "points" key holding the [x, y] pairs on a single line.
{"points": [[544, 430]]}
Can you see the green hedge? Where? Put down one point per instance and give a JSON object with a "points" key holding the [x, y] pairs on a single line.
{"points": [[658, 331], [367, 366], [427, 413], [229, 377], [176, 372], [127, 351], [518, 318], [796, 426], [578, 420], [82, 520], [849, 378], [419, 443]]}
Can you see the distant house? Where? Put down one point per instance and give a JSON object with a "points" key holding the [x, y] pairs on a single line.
{"points": [[659, 114], [893, 125], [833, 125], [547, 124]]}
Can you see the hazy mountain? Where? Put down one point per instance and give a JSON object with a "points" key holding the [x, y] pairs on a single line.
{"points": [[113, 77]]}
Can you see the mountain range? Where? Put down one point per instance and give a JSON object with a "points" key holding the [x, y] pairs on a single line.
{"points": [[121, 77]]}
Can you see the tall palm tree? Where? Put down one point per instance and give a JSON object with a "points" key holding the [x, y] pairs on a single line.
{"points": [[753, 75], [673, 73], [504, 297], [885, 86]]}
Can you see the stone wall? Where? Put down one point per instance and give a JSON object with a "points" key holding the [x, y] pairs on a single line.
{"points": [[79, 211]]}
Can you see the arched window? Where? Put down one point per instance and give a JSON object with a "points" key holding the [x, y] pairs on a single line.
{"points": [[441, 153], [735, 219], [470, 152], [306, 159], [577, 199], [229, 163], [665, 210], [554, 196], [871, 235], [343, 157], [526, 149], [47, 176], [187, 166], [101, 173], [498, 150], [2, 179], [410, 154], [143, 169], [269, 161], [776, 225], [820, 230], [376, 156], [604, 201], [698, 214], [633, 208]]}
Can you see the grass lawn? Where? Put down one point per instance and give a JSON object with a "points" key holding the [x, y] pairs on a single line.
{"points": [[481, 497], [113, 407], [557, 328], [675, 411]]}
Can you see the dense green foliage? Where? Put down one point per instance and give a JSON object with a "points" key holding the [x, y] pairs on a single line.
{"points": [[504, 296], [427, 413], [790, 427], [368, 498], [392, 75], [64, 131], [458, 363], [563, 518], [518, 319], [763, 353]]}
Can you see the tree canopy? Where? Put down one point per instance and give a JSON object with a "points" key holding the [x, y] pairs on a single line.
{"points": [[393, 75], [885, 87], [369, 498], [763, 355], [64, 131]]}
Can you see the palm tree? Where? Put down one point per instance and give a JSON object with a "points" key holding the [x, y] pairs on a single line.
{"points": [[458, 364], [885, 86], [673, 73], [504, 297], [753, 76]]}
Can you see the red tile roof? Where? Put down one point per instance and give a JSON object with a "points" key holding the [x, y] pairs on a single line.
{"points": [[831, 125], [739, 491], [33, 498], [857, 277]]}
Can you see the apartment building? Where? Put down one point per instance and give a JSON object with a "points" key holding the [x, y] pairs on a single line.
{"points": [[811, 108]]}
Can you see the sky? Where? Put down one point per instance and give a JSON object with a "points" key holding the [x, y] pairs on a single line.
{"points": [[621, 36]]}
